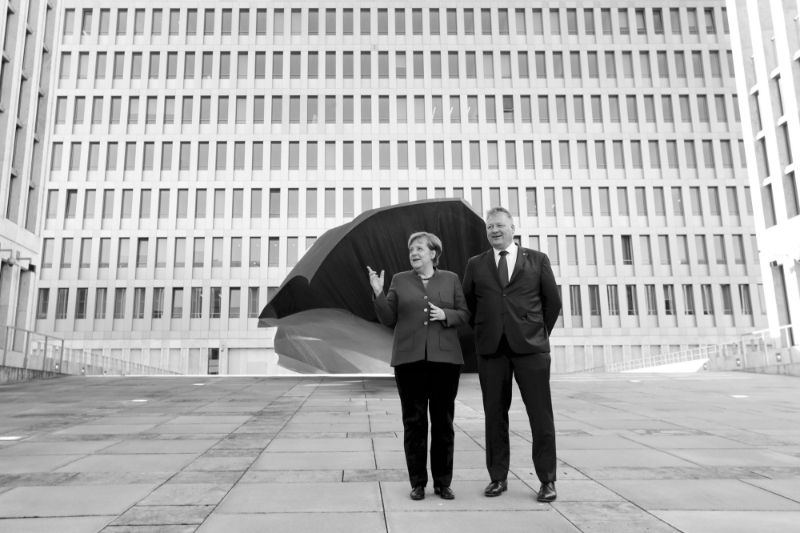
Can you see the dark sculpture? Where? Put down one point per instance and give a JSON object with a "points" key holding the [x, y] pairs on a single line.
{"points": [[320, 307]]}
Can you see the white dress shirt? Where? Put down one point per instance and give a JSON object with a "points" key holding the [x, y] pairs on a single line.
{"points": [[511, 258]]}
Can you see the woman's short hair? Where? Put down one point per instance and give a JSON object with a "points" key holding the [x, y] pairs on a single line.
{"points": [[431, 240]]}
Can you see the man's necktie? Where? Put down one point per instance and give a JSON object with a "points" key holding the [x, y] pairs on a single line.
{"points": [[502, 268]]}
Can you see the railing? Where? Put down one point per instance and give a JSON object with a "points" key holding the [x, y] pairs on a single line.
{"points": [[703, 352], [26, 349], [786, 337], [754, 350]]}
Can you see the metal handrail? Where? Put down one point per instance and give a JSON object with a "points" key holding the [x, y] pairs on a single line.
{"points": [[682, 356], [757, 341], [785, 334], [27, 349]]}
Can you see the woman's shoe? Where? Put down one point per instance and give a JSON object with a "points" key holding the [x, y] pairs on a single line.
{"points": [[418, 493], [444, 492]]}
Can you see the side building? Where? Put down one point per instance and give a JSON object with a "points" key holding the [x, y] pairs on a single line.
{"points": [[27, 37], [767, 57], [195, 151]]}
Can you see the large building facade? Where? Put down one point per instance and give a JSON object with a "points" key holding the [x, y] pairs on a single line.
{"points": [[27, 37], [195, 150], [767, 57]]}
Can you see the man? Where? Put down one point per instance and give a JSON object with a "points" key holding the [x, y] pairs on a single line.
{"points": [[514, 303]]}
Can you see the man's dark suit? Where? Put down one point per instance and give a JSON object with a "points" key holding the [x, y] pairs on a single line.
{"points": [[512, 330]]}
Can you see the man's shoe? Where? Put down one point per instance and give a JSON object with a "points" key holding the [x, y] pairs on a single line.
{"points": [[418, 493], [444, 492], [547, 492], [496, 488]]}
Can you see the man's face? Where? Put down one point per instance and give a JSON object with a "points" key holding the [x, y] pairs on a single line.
{"points": [[499, 231]]}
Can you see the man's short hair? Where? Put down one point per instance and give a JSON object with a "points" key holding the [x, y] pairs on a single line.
{"points": [[433, 242], [496, 210]]}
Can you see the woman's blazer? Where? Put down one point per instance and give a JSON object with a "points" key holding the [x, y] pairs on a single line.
{"points": [[405, 307]]}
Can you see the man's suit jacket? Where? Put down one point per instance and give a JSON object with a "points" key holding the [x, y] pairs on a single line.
{"points": [[526, 310], [405, 306]]}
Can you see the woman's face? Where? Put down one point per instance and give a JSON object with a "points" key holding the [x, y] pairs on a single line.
{"points": [[420, 255]]}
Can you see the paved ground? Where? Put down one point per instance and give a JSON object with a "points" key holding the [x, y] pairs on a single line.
{"points": [[637, 453]]}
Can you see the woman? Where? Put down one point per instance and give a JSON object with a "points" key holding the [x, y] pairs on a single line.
{"points": [[425, 305]]}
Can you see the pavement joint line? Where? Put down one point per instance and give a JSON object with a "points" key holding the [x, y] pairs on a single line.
{"points": [[796, 500]]}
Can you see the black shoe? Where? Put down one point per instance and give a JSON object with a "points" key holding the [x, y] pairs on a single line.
{"points": [[444, 492], [418, 493], [496, 488], [547, 492]]}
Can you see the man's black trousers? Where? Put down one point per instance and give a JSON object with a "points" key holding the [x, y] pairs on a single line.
{"points": [[532, 373], [421, 385]]}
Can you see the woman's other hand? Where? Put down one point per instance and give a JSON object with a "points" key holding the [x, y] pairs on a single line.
{"points": [[375, 281], [437, 313]]}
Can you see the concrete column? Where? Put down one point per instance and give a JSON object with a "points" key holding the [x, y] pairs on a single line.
{"points": [[7, 292], [23, 304], [791, 278]]}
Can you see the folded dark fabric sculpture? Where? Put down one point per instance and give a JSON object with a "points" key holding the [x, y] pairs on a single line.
{"points": [[332, 275]]}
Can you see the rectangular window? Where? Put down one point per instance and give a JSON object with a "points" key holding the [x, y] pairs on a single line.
{"points": [[196, 309], [456, 155], [683, 250], [252, 302], [255, 203], [198, 258], [708, 299], [627, 250], [119, 303], [613, 300], [105, 252], [650, 299], [62, 303], [688, 300], [255, 251], [624, 28], [312, 156], [700, 248], [719, 247], [161, 252], [177, 303], [663, 247], [138, 303], [738, 249], [675, 20], [158, 302], [633, 305], [744, 300], [216, 252], [402, 155], [713, 201], [644, 247], [86, 253], [575, 300]]}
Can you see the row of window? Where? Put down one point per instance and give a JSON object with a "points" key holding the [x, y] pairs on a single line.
{"points": [[564, 201], [672, 250], [654, 305], [425, 109], [179, 254], [555, 200], [342, 155], [424, 64], [234, 302], [455, 21], [575, 302]]}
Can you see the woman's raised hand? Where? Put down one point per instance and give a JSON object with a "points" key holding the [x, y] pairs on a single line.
{"points": [[376, 281]]}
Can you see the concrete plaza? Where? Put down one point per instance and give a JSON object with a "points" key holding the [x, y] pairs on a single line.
{"points": [[700, 452]]}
